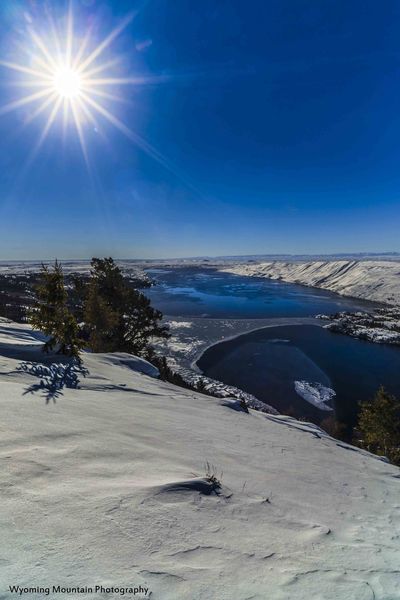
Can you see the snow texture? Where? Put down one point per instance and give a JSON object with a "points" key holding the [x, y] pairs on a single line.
{"points": [[107, 484]]}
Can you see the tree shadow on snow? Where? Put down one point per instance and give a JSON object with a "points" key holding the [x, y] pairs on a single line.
{"points": [[53, 378]]}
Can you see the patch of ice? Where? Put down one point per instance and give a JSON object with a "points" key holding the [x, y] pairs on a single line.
{"points": [[183, 347], [180, 324], [315, 393]]}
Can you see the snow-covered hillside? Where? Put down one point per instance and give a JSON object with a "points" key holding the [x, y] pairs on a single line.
{"points": [[372, 280], [103, 483]]}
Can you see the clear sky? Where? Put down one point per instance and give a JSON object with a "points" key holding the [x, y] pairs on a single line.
{"points": [[269, 126]]}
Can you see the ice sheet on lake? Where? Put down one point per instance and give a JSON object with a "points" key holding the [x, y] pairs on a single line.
{"points": [[315, 393]]}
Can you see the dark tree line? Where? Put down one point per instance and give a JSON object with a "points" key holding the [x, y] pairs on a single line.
{"points": [[103, 313], [378, 428]]}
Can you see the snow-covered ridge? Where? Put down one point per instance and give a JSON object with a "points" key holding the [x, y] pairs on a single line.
{"points": [[104, 483], [371, 280]]}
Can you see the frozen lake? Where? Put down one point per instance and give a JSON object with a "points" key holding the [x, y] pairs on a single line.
{"points": [[268, 362], [207, 292]]}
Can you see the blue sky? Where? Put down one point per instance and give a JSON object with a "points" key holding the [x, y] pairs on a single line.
{"points": [[278, 123]]}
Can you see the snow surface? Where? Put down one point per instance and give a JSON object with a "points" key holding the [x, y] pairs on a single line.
{"points": [[371, 280], [104, 484]]}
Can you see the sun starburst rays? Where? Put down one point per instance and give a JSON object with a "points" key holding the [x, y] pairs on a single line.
{"points": [[68, 79], [63, 78]]}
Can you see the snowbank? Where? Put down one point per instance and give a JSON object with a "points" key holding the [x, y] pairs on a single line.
{"points": [[105, 484], [371, 280]]}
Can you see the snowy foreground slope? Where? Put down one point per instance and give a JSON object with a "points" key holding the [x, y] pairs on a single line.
{"points": [[372, 280], [104, 485]]}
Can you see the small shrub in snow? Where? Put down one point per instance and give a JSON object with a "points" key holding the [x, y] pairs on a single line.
{"points": [[212, 476], [244, 405]]}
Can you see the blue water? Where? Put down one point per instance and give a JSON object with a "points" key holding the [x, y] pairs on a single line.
{"points": [[209, 293], [268, 361]]}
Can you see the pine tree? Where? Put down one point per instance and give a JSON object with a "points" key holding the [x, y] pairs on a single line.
{"points": [[51, 315], [119, 318], [142, 323], [101, 321], [69, 340], [379, 425]]}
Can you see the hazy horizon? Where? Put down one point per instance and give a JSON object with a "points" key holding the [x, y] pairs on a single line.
{"points": [[339, 255]]}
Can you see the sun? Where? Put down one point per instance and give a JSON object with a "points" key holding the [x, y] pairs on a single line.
{"points": [[67, 83], [69, 78], [66, 78]]}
